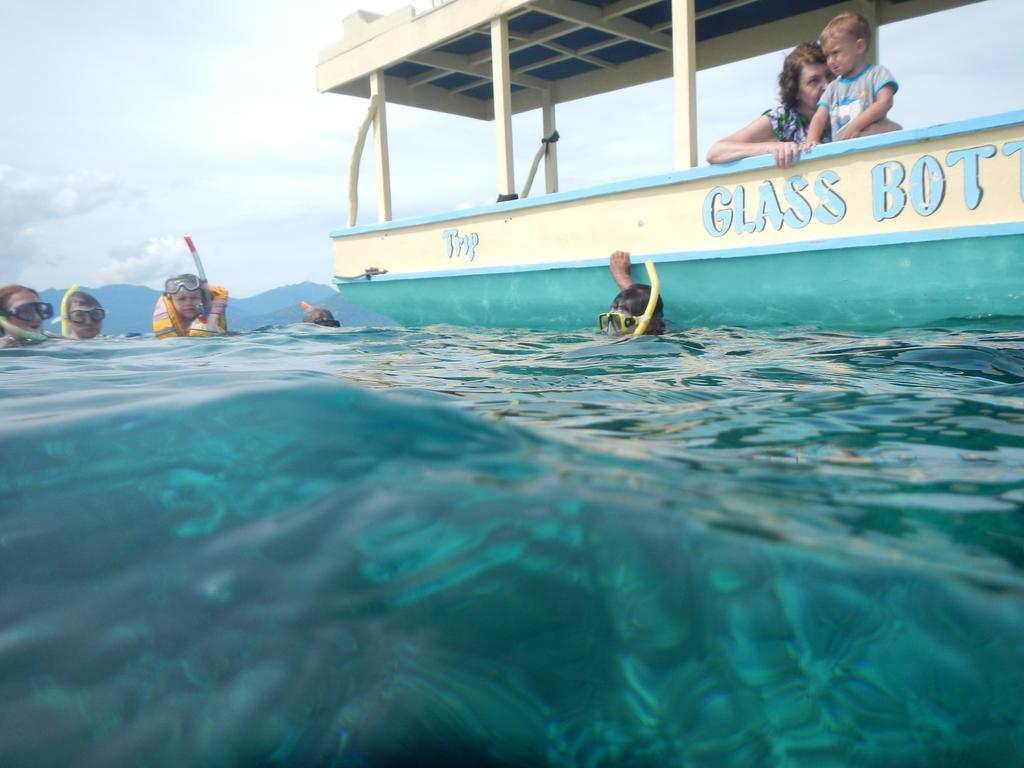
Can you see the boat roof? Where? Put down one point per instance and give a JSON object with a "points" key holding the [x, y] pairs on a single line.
{"points": [[562, 50]]}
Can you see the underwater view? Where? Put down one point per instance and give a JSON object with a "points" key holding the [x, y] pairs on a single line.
{"points": [[381, 547]]}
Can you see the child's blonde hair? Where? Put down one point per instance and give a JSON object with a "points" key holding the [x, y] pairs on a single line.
{"points": [[848, 23]]}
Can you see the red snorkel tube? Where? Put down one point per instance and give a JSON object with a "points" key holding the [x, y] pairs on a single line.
{"points": [[201, 273]]}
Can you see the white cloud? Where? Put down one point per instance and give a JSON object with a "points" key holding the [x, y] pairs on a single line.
{"points": [[148, 263], [28, 200]]}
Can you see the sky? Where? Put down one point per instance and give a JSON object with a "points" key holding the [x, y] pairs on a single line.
{"points": [[127, 124]]}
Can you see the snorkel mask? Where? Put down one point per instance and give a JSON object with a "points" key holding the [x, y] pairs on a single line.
{"points": [[31, 310], [26, 312], [181, 283], [616, 323]]}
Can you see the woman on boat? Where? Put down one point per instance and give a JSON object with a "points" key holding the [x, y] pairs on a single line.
{"points": [[22, 313], [781, 131], [190, 307]]}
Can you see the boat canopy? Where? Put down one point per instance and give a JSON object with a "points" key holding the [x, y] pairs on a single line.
{"points": [[441, 59], [490, 59]]}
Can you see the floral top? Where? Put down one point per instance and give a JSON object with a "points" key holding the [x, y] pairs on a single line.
{"points": [[791, 126]]}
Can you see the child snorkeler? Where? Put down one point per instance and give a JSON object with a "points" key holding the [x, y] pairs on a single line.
{"points": [[190, 307], [81, 315], [860, 97]]}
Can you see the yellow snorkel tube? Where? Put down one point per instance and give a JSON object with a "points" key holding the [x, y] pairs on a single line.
{"points": [[645, 318], [64, 310]]}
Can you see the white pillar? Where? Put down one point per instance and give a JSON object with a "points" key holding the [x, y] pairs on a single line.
{"points": [[551, 156], [502, 105], [684, 81], [869, 9], [380, 136]]}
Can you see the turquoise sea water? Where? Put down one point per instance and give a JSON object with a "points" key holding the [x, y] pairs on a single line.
{"points": [[307, 547]]}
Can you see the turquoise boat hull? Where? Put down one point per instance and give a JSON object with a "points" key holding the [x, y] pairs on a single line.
{"points": [[869, 287]]}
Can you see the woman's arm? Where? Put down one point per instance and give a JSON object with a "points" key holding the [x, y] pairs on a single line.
{"points": [[758, 138], [746, 142]]}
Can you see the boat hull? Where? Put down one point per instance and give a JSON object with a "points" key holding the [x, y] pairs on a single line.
{"points": [[907, 229], [859, 288]]}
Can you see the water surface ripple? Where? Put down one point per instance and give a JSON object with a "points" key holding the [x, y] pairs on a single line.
{"points": [[434, 546]]}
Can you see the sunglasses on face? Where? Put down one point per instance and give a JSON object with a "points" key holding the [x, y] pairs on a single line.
{"points": [[83, 315], [616, 321], [30, 311], [184, 283]]}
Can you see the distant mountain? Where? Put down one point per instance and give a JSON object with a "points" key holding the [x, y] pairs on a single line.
{"points": [[286, 296], [130, 307]]}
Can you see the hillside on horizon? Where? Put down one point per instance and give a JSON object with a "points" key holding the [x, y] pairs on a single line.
{"points": [[130, 307]]}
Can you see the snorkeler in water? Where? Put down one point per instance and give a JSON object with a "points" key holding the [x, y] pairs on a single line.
{"points": [[637, 309], [318, 316], [81, 316], [22, 313], [190, 307]]}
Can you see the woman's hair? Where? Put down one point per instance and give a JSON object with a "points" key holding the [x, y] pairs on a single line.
{"points": [[8, 291], [789, 77], [84, 299]]}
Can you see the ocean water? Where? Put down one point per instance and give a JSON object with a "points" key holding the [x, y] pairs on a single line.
{"points": [[415, 547]]}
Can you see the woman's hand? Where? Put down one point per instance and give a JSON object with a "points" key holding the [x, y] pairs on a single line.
{"points": [[785, 152]]}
